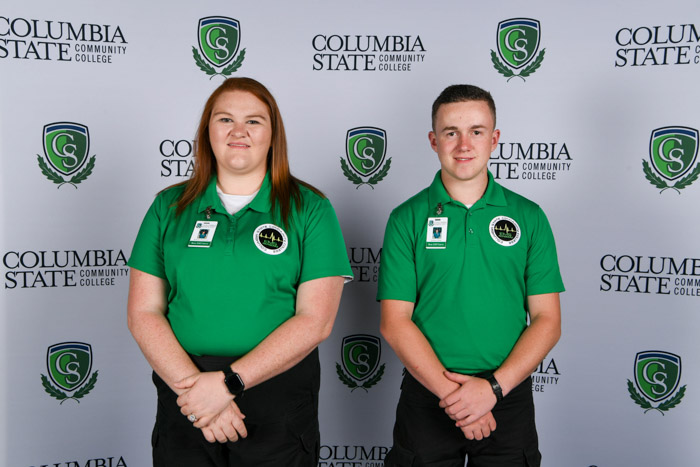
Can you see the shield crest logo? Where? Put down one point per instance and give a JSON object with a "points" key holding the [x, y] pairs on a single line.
{"points": [[219, 38], [361, 355], [657, 374], [673, 150], [365, 148], [66, 146], [518, 40], [69, 364]]}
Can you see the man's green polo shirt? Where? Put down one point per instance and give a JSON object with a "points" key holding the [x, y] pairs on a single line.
{"points": [[470, 296], [226, 298]]}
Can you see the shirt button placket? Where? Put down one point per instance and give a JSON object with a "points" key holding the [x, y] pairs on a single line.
{"points": [[230, 236], [470, 230]]}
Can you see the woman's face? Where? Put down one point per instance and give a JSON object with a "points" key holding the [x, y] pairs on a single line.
{"points": [[240, 133]]}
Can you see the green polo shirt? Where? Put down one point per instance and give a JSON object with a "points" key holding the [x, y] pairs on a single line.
{"points": [[470, 296], [226, 298]]}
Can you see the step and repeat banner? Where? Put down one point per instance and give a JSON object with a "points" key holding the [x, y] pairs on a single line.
{"points": [[598, 109]]}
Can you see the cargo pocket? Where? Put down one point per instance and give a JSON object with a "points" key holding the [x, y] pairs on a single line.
{"points": [[302, 426], [532, 457], [154, 437]]}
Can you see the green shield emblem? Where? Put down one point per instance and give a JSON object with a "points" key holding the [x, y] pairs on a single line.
{"points": [[219, 38], [673, 150], [66, 146], [365, 149], [657, 374], [69, 364], [361, 354], [518, 40]]}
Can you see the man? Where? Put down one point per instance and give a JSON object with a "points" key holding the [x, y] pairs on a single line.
{"points": [[464, 263]]}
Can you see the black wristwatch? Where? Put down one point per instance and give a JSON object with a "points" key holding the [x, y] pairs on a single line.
{"points": [[495, 387], [233, 381]]}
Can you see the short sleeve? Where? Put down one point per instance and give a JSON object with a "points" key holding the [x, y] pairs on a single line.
{"points": [[542, 273], [323, 253], [397, 272], [147, 254]]}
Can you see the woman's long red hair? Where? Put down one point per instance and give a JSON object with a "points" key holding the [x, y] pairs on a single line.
{"points": [[284, 187]]}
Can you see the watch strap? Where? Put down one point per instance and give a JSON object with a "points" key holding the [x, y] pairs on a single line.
{"points": [[497, 390]]}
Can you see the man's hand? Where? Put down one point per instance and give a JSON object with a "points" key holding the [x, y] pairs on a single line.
{"points": [[205, 396], [227, 426], [481, 428], [472, 400]]}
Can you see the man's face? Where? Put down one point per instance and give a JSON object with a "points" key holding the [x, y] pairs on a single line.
{"points": [[463, 139]]}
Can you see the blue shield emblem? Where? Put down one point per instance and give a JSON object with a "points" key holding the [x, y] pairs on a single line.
{"points": [[361, 355], [657, 374], [365, 148], [518, 40], [673, 150], [219, 38], [69, 364], [66, 146]]}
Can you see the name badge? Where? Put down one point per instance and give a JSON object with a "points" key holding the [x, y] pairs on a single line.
{"points": [[203, 234], [437, 233]]}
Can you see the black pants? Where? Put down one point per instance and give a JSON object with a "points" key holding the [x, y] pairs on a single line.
{"points": [[281, 419], [424, 436]]}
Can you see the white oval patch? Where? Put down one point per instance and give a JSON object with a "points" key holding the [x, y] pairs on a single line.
{"points": [[504, 231], [270, 239]]}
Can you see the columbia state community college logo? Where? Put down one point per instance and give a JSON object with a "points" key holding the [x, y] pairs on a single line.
{"points": [[360, 354], [517, 41], [657, 375], [218, 38], [66, 149], [673, 152], [69, 365], [365, 149]]}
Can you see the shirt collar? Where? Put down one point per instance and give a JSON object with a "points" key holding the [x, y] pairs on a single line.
{"points": [[494, 195], [210, 198]]}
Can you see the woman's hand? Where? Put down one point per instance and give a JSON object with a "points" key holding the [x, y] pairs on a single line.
{"points": [[227, 426], [205, 396]]}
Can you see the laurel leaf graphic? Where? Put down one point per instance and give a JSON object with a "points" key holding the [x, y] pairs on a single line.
{"points": [[48, 173], [674, 401], [528, 70], [684, 182], [655, 180], [235, 65], [87, 388], [51, 390], [636, 397], [344, 378], [204, 66], [500, 67], [379, 176], [374, 379], [85, 173], [349, 173]]}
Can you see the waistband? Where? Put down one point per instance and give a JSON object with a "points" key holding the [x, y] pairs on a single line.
{"points": [[413, 386], [272, 398]]}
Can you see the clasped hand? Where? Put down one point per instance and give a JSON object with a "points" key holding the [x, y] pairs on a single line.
{"points": [[470, 405], [206, 396]]}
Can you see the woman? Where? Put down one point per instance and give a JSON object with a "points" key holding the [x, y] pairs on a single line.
{"points": [[236, 277]]}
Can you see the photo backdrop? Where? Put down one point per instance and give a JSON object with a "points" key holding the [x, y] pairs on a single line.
{"points": [[597, 105]]}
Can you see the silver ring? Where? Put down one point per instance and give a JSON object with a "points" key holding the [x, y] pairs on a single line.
{"points": [[192, 417]]}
